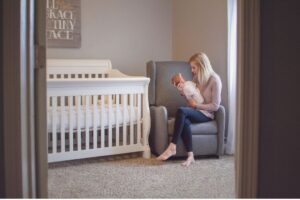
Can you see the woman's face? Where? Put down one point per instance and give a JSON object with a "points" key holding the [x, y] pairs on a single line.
{"points": [[194, 68]]}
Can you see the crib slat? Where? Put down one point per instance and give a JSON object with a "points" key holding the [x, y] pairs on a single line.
{"points": [[138, 118], [79, 113], [95, 111], [62, 123], [54, 122], [131, 119], [124, 119], [83, 100], [102, 121], [87, 114], [110, 112], [117, 119], [71, 122]]}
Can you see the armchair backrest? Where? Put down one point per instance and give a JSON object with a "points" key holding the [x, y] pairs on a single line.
{"points": [[161, 90]]}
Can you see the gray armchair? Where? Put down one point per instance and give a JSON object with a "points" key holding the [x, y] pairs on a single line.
{"points": [[164, 99]]}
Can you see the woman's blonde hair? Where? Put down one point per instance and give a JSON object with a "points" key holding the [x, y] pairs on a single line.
{"points": [[205, 69]]}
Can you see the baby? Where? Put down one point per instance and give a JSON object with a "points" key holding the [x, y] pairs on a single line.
{"points": [[188, 88]]}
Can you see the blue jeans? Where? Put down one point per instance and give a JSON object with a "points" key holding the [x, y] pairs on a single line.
{"points": [[185, 116]]}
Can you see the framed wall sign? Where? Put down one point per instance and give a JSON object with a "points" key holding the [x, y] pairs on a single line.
{"points": [[63, 23]]}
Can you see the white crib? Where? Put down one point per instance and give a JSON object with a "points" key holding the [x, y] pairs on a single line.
{"points": [[94, 110]]}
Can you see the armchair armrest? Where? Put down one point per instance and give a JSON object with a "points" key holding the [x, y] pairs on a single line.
{"points": [[158, 138], [220, 119]]}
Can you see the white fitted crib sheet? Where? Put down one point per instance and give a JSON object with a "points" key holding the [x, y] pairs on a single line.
{"points": [[87, 118]]}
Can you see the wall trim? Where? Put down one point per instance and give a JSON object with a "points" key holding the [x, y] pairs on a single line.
{"points": [[248, 98]]}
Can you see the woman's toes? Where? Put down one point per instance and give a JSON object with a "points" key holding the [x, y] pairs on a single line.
{"points": [[188, 162], [167, 154]]}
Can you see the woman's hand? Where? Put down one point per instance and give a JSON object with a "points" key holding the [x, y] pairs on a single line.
{"points": [[180, 88], [192, 103]]}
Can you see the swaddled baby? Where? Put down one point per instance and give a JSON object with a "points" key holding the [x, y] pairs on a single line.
{"points": [[189, 88]]}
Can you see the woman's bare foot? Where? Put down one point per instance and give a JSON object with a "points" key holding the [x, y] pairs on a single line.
{"points": [[189, 160], [170, 151]]}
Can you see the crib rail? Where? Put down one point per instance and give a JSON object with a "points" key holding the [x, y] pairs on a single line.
{"points": [[97, 117], [64, 69]]}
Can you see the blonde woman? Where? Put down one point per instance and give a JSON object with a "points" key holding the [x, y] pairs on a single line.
{"points": [[210, 86]]}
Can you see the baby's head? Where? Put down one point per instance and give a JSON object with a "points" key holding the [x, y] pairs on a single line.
{"points": [[177, 78]]}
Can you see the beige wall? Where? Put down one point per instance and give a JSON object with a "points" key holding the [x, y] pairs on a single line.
{"points": [[128, 32], [132, 32], [201, 25]]}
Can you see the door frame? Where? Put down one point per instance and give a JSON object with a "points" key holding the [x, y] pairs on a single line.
{"points": [[17, 116], [247, 123], [23, 160], [40, 88]]}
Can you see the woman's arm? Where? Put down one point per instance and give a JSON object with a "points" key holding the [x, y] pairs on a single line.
{"points": [[215, 98], [180, 89]]}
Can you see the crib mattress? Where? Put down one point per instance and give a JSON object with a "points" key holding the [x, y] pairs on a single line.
{"points": [[64, 119]]}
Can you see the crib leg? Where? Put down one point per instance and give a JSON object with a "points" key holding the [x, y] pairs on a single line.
{"points": [[147, 152]]}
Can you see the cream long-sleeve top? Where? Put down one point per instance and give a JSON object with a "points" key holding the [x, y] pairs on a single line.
{"points": [[211, 93]]}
